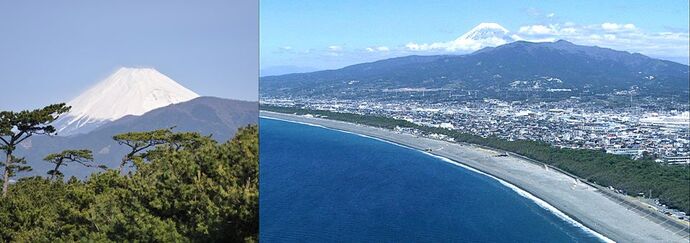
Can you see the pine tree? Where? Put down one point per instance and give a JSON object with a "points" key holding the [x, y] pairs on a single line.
{"points": [[83, 157], [140, 141], [15, 127]]}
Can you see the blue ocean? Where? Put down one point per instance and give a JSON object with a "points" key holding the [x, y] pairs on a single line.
{"points": [[322, 185]]}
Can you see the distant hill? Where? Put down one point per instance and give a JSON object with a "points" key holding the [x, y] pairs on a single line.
{"points": [[518, 66], [286, 69], [206, 115]]}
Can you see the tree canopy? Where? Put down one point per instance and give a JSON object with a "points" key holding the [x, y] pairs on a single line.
{"points": [[192, 190], [140, 141], [15, 127], [83, 157]]}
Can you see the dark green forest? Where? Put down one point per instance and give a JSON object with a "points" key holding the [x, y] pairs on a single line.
{"points": [[669, 183], [175, 187]]}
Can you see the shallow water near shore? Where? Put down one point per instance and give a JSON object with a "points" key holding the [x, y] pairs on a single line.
{"points": [[323, 185]]}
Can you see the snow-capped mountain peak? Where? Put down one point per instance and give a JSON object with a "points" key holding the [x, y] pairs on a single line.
{"points": [[482, 35], [128, 91], [486, 31]]}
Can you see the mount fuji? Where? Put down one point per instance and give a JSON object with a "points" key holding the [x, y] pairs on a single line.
{"points": [[128, 91], [482, 35], [134, 100]]}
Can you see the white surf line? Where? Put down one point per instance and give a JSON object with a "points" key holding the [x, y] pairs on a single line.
{"points": [[529, 196], [541, 203]]}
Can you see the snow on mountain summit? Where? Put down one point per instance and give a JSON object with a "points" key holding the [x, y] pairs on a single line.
{"points": [[487, 31], [482, 35], [128, 91]]}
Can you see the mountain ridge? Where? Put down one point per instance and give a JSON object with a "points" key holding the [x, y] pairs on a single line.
{"points": [[494, 69]]}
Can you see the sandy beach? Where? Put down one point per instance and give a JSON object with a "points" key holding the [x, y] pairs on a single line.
{"points": [[614, 217]]}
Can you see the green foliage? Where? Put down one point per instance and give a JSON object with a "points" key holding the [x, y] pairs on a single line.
{"points": [[140, 141], [189, 188], [669, 183], [31, 122], [17, 165], [187, 140], [211, 191], [71, 155], [143, 139], [82, 157], [15, 127]]}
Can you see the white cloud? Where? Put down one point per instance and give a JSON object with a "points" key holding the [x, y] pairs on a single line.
{"points": [[536, 30], [550, 15], [610, 26], [452, 46], [383, 48], [542, 39], [617, 27], [379, 49], [463, 45], [617, 36], [482, 35], [413, 46]]}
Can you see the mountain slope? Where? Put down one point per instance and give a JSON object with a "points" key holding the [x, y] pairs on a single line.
{"points": [[517, 66], [128, 91], [206, 115]]}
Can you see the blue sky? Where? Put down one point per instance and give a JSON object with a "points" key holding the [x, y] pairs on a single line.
{"points": [[332, 34], [51, 51]]}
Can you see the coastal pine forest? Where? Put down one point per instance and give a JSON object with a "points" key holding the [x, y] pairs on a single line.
{"points": [[170, 187]]}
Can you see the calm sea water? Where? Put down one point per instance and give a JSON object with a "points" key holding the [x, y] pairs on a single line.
{"points": [[321, 185]]}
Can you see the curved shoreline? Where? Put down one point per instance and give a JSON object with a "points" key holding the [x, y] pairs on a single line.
{"points": [[580, 204], [520, 191]]}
